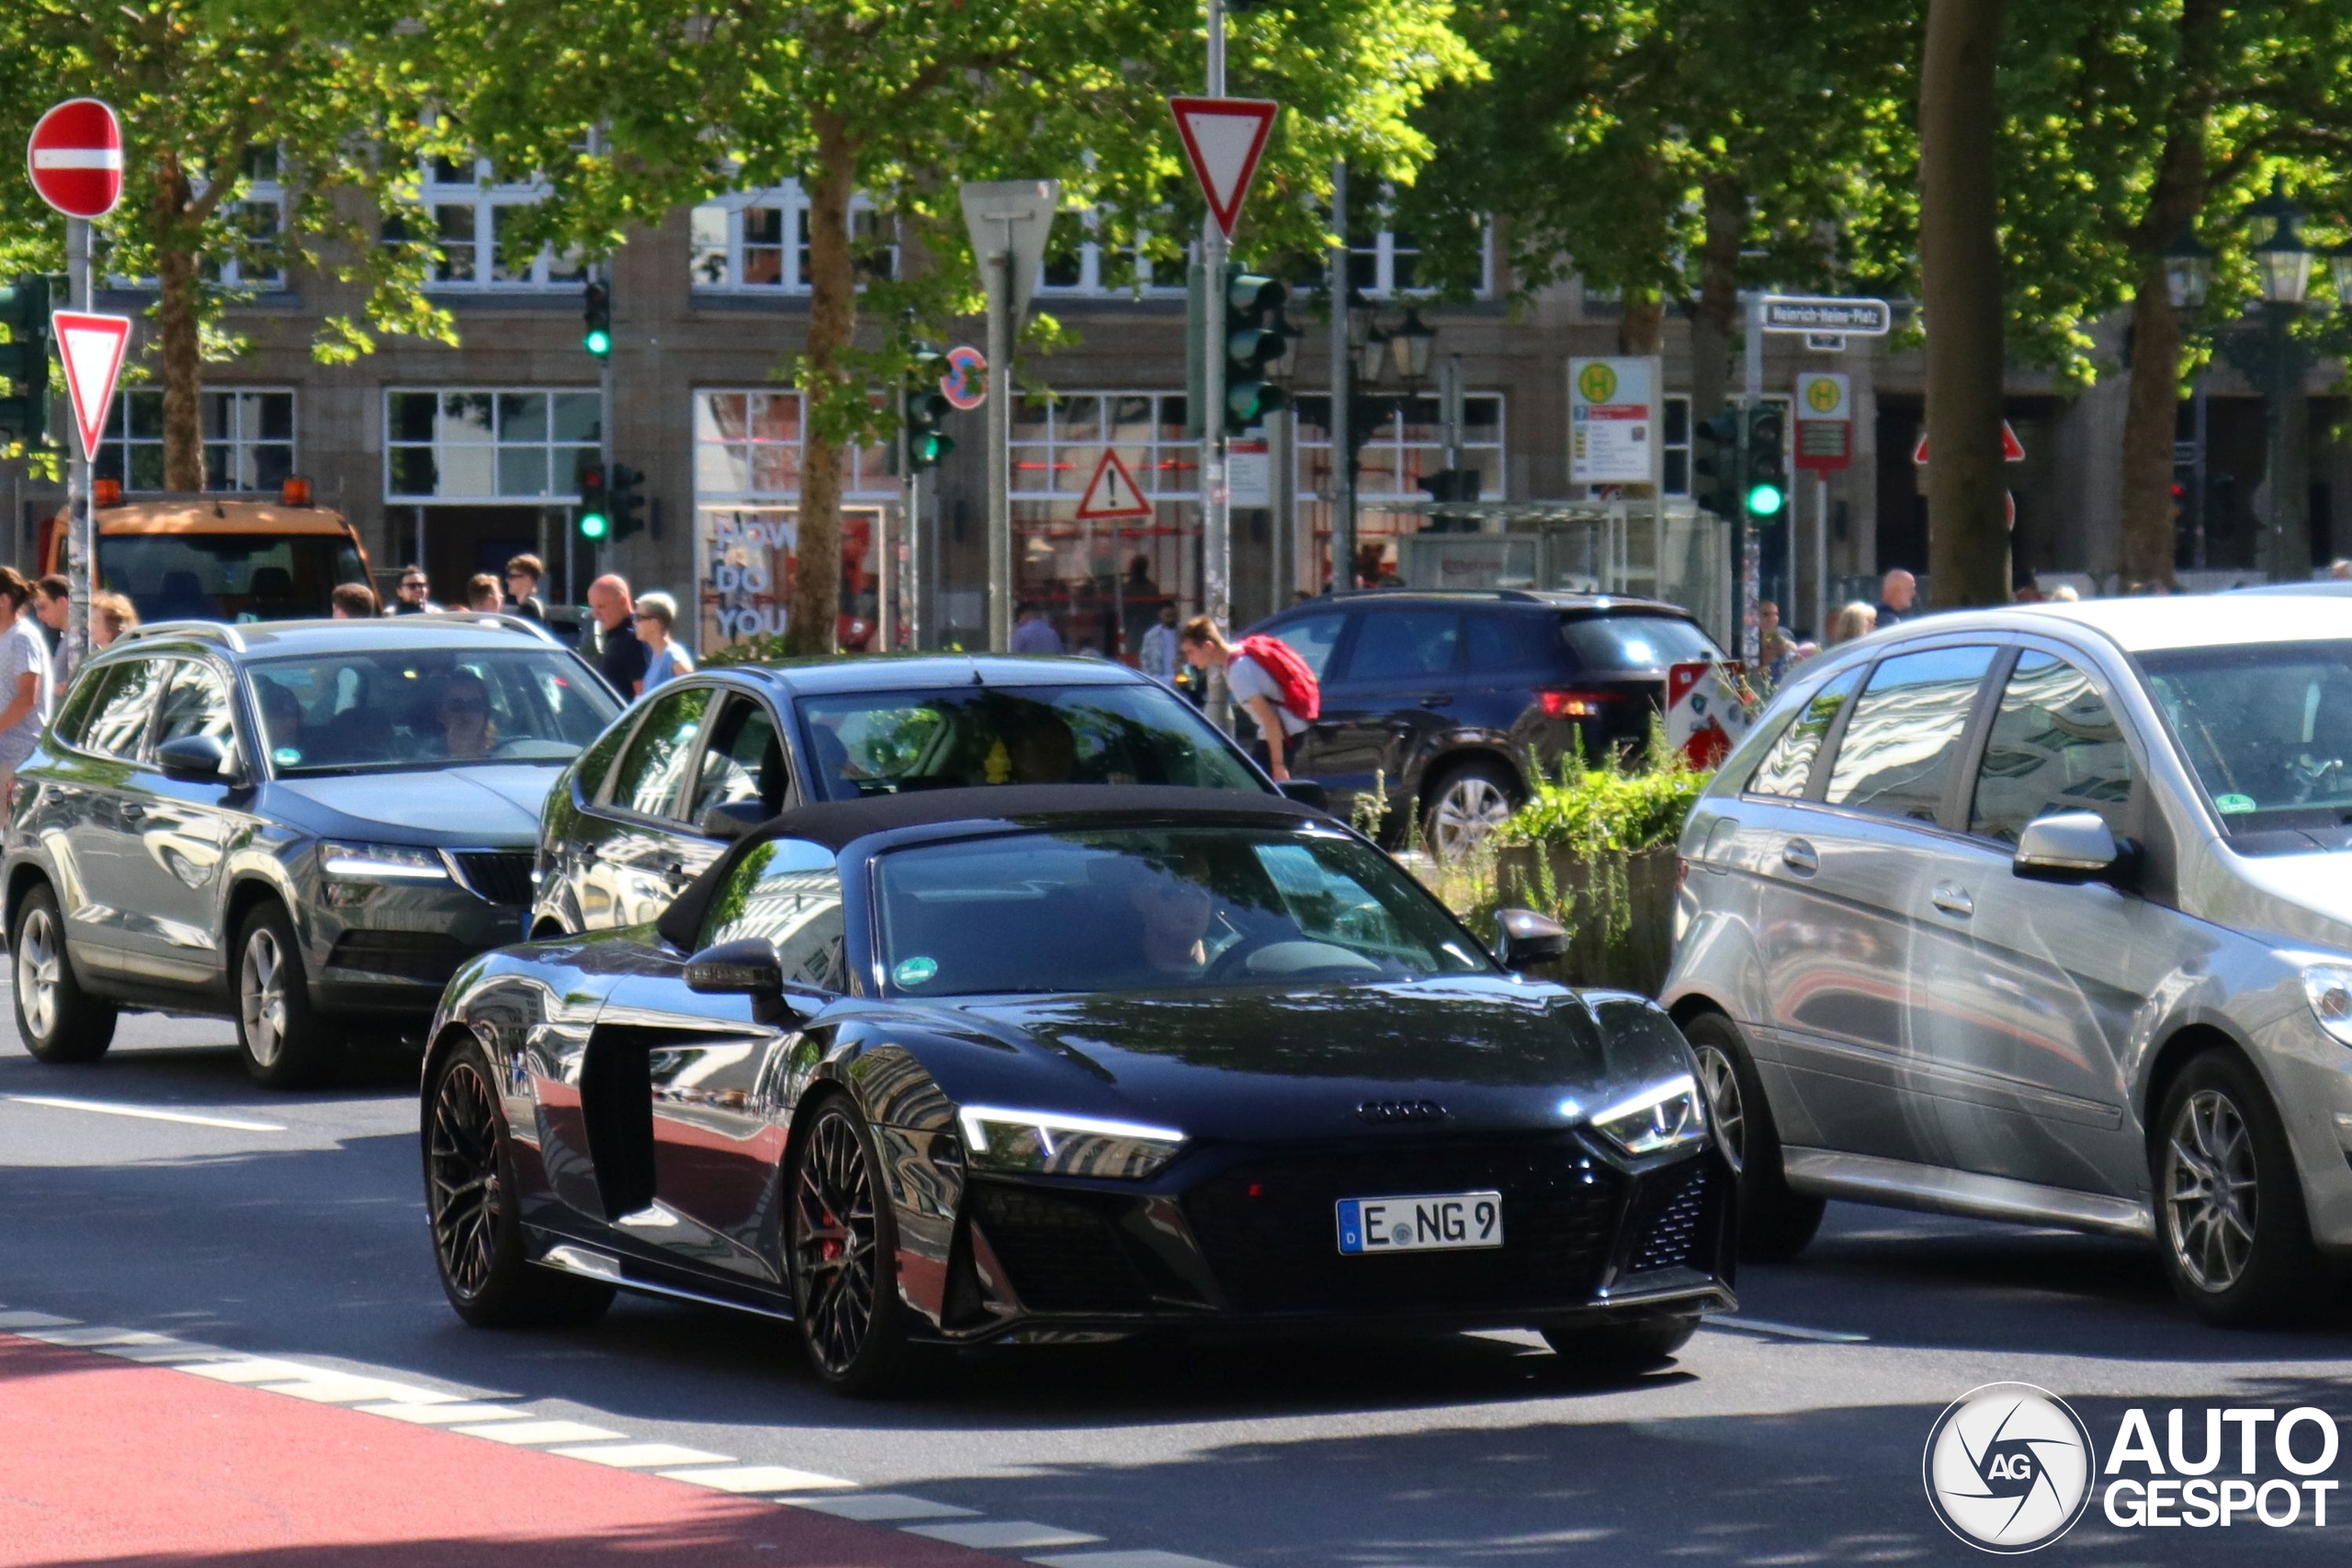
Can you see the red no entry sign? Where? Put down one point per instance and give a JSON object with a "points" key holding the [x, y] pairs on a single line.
{"points": [[76, 156]]}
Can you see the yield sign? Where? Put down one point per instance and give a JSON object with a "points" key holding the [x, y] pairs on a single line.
{"points": [[1112, 492], [90, 347], [75, 157], [2012, 450], [1223, 137]]}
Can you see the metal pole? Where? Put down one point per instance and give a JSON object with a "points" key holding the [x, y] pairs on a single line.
{"points": [[2196, 494], [80, 537], [1282, 454], [1000, 283], [1751, 394], [1820, 555], [2275, 523], [1343, 370], [604, 422], [1449, 397], [1217, 491]]}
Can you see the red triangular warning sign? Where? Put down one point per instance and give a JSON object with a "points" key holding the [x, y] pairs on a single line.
{"points": [[1112, 492], [2012, 450], [91, 348], [1223, 138]]}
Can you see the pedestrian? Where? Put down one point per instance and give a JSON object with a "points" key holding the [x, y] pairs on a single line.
{"points": [[413, 586], [24, 677], [524, 575], [1775, 649], [1033, 633], [1139, 604], [111, 615], [1856, 619], [353, 602], [54, 604], [656, 614], [484, 594], [624, 657], [1897, 591], [2064, 593], [1163, 650], [2339, 570], [1267, 677]]}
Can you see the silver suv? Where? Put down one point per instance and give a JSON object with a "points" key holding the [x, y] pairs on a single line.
{"points": [[2045, 914]]}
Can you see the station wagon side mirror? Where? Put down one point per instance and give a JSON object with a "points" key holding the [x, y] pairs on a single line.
{"points": [[731, 819], [2072, 847], [194, 759], [1524, 939]]}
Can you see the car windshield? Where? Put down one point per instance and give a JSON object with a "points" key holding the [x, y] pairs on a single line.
{"points": [[1137, 909], [404, 708], [1632, 643], [2267, 728], [866, 743], [229, 577]]}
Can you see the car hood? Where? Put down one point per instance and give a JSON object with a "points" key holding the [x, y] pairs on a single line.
{"points": [[1250, 1063], [495, 804]]}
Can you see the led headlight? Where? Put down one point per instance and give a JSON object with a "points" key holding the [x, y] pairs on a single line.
{"points": [[1052, 1143], [2328, 988], [382, 863], [1664, 1116]]}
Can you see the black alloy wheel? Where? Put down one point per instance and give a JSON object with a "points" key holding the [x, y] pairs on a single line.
{"points": [[1774, 1222], [845, 1265], [471, 1200], [2235, 1238]]}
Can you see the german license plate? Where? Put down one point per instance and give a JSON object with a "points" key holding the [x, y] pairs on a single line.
{"points": [[1428, 1222]]}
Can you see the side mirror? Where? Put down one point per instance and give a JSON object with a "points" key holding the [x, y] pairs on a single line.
{"points": [[194, 759], [2071, 847], [731, 819], [745, 968], [1524, 939], [1306, 792]]}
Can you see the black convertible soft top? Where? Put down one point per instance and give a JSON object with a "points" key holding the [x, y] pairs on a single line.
{"points": [[835, 824]]}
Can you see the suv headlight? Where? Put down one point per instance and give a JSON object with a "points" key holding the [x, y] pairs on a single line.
{"points": [[2328, 988], [1664, 1116], [1052, 1143], [382, 863]]}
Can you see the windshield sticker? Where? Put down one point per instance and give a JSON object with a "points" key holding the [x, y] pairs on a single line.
{"points": [[2235, 804], [999, 764], [286, 756], [915, 971]]}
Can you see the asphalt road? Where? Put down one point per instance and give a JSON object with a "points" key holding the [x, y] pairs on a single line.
{"points": [[1789, 1434]]}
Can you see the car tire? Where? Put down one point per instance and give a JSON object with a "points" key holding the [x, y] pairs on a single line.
{"points": [[472, 1203], [842, 1242], [59, 1022], [1630, 1346], [284, 1040], [2220, 1150], [1775, 1224], [1465, 803]]}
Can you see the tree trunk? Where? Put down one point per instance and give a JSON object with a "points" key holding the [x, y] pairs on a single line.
{"points": [[1960, 276], [1717, 314], [1642, 329], [832, 319], [178, 306]]}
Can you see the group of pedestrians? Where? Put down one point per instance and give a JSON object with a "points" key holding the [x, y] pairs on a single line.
{"points": [[37, 661], [635, 644]]}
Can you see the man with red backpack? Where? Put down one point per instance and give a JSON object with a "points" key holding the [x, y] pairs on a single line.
{"points": [[1266, 677]]}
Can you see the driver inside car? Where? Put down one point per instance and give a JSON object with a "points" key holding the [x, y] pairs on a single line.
{"points": [[467, 731]]}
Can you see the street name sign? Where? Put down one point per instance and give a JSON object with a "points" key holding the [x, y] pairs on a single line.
{"points": [[91, 349], [75, 155], [1223, 140], [1112, 492], [1808, 314]]}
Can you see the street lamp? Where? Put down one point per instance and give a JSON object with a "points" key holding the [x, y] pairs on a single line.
{"points": [[2339, 266], [1411, 345], [2283, 266], [2189, 270], [2284, 261], [2263, 217]]}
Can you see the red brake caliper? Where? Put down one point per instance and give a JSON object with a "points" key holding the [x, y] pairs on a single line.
{"points": [[831, 1248]]}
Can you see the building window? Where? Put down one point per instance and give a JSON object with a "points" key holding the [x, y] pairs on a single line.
{"points": [[489, 444], [1085, 265], [1407, 443], [757, 242], [259, 214], [1384, 262], [248, 439], [470, 219], [1675, 448], [747, 446]]}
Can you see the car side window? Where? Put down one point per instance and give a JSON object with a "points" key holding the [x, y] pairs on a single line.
{"points": [[1492, 645], [788, 891], [1314, 638], [1788, 766], [1897, 752], [119, 723], [652, 771], [2054, 746], [195, 704], [81, 700], [743, 761], [1401, 644]]}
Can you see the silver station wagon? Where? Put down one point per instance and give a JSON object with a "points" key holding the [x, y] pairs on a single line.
{"points": [[2045, 914]]}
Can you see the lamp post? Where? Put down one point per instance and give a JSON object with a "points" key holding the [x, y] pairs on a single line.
{"points": [[2189, 279], [2284, 265], [1373, 351]]}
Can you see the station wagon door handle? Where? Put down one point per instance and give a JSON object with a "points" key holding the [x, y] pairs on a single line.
{"points": [[1953, 901], [1799, 857], [1437, 700], [132, 811]]}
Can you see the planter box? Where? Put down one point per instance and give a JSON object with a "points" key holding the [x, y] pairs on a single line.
{"points": [[1619, 909]]}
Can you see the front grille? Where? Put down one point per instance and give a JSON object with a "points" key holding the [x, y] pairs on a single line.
{"points": [[1675, 1214], [1062, 1252], [408, 955], [1269, 1228], [503, 877]]}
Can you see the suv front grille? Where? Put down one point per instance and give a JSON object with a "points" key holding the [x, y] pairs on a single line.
{"points": [[408, 955], [503, 877]]}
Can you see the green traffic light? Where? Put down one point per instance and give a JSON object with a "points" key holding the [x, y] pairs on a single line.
{"points": [[599, 343], [592, 525], [1764, 500]]}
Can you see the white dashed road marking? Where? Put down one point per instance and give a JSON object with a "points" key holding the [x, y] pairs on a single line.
{"points": [[539, 1432], [442, 1415], [641, 1456], [144, 1112], [1003, 1535], [749, 1478], [882, 1507]]}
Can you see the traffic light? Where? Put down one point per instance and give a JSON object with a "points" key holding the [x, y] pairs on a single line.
{"points": [[926, 407], [1715, 463], [595, 508], [625, 507], [1255, 337], [23, 358], [596, 311], [1768, 464]]}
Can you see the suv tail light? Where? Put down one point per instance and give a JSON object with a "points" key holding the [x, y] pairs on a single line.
{"points": [[1563, 703]]}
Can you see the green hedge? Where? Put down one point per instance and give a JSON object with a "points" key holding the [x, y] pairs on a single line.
{"points": [[1603, 810]]}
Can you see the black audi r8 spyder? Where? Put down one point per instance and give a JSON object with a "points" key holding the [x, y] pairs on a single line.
{"points": [[1041, 1062]]}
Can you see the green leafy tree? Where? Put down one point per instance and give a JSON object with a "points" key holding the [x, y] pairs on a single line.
{"points": [[629, 110], [326, 97]]}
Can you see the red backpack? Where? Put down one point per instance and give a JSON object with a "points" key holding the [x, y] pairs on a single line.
{"points": [[1301, 691]]}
